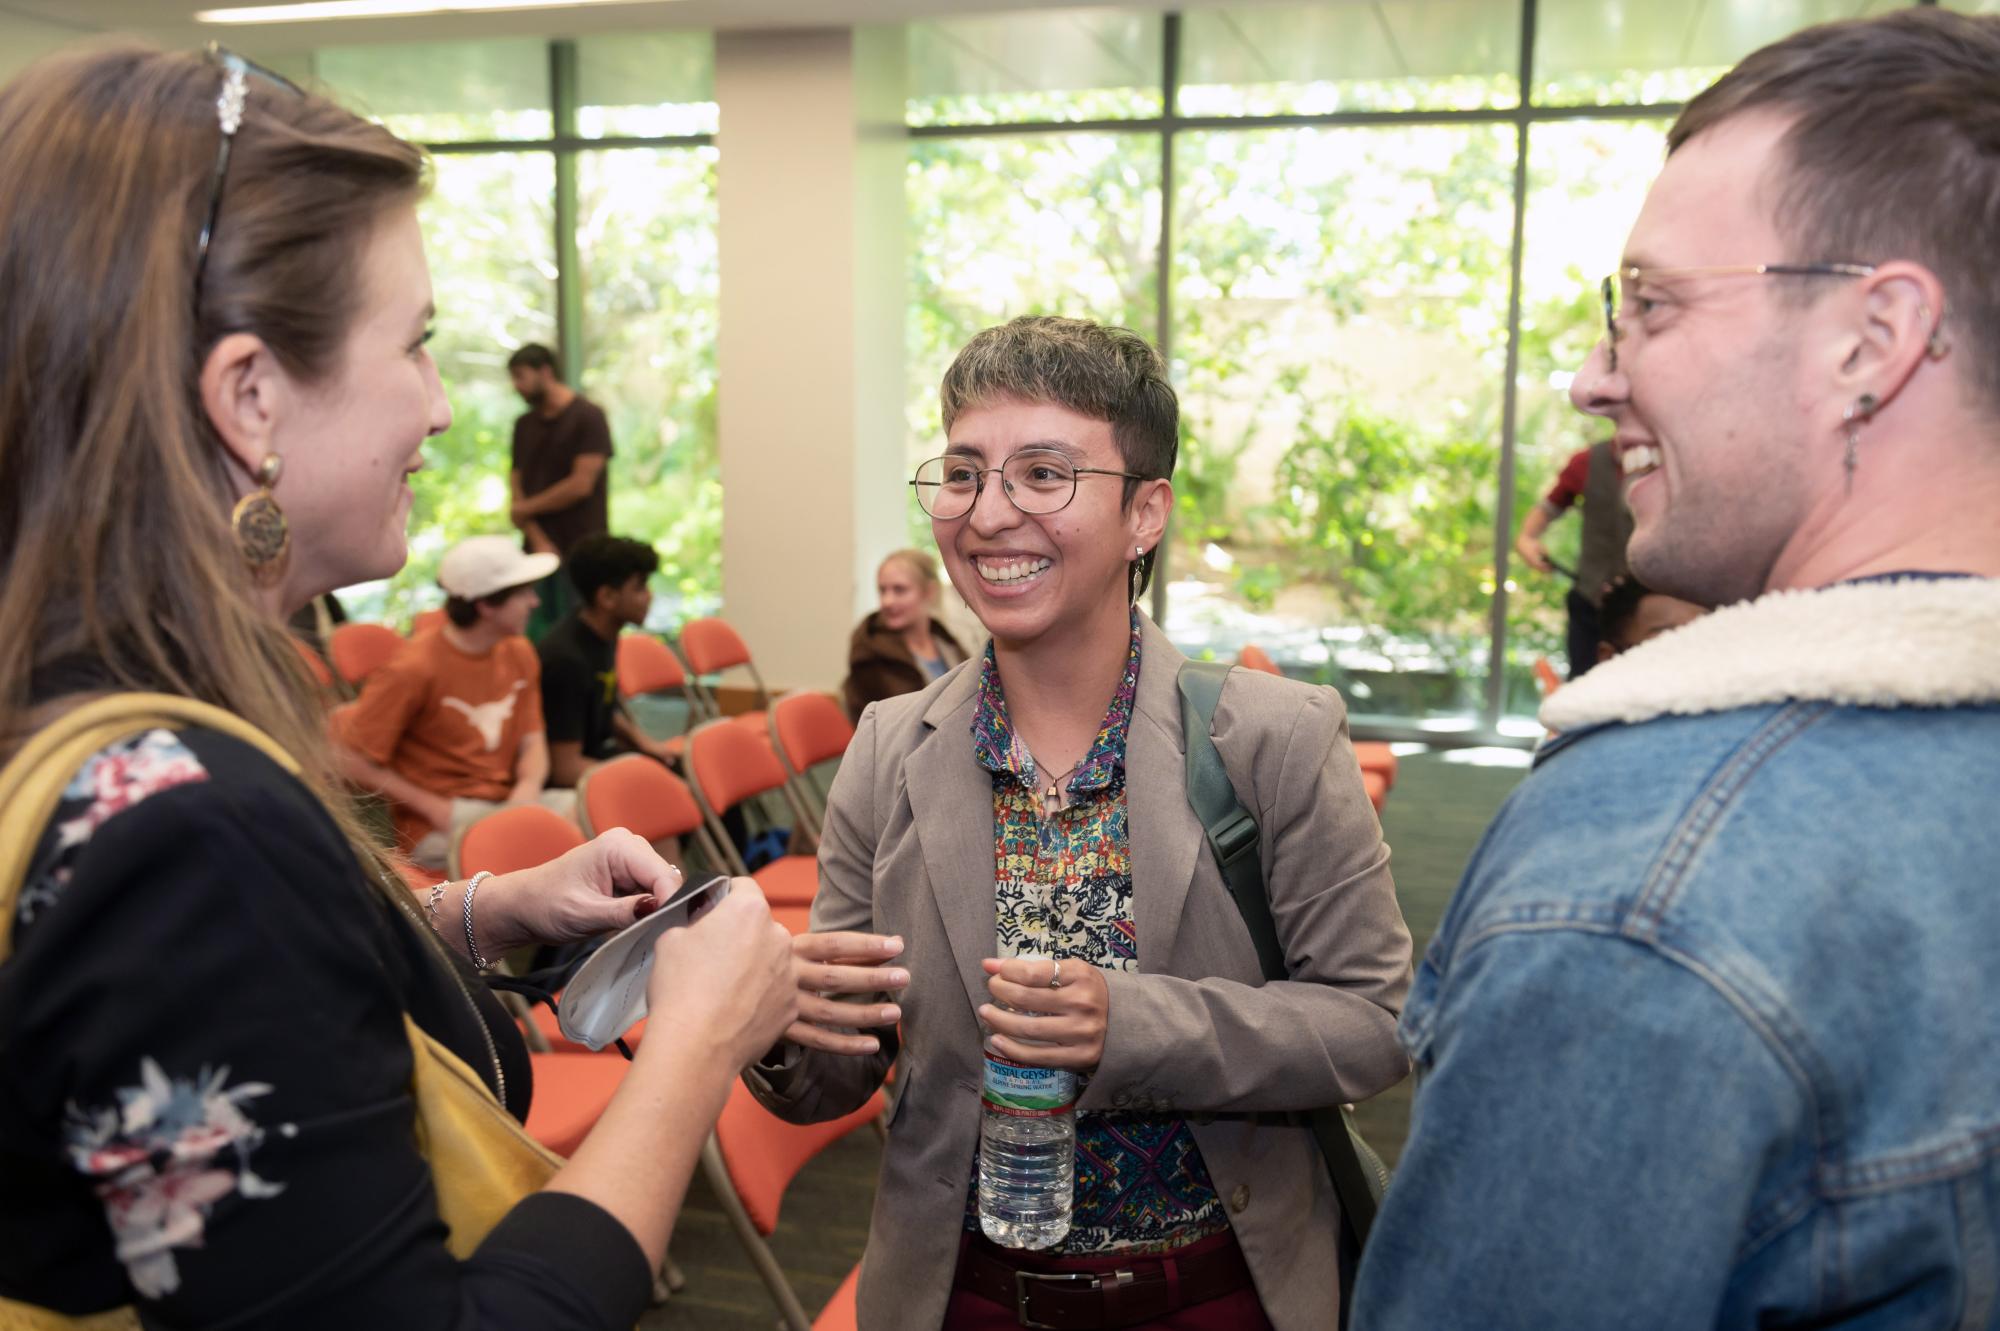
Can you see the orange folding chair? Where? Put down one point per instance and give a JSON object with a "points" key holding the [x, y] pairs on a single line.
{"points": [[359, 650], [635, 792], [808, 729], [1546, 678], [648, 666], [727, 765], [1377, 758], [426, 620], [1253, 657], [519, 836], [1377, 787], [749, 1161], [711, 646], [571, 1090]]}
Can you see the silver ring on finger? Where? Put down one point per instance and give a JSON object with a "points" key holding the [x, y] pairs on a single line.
{"points": [[1055, 976]]}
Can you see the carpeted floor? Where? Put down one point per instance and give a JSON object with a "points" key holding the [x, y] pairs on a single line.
{"points": [[1441, 804]]}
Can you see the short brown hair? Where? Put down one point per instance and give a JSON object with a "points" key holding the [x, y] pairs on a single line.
{"points": [[1893, 153], [1096, 370]]}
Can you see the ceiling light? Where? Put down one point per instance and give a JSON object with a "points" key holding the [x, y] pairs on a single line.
{"points": [[314, 11]]}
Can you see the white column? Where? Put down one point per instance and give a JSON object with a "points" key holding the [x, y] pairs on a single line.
{"points": [[810, 358]]}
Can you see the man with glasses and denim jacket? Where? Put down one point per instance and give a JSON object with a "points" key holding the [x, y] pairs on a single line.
{"points": [[1728, 1059]]}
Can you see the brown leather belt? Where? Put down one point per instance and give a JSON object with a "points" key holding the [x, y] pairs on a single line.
{"points": [[1139, 1290]]}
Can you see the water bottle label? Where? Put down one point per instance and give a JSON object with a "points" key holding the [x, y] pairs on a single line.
{"points": [[1027, 1092]]}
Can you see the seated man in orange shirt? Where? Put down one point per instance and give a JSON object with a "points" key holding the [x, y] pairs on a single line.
{"points": [[451, 728]]}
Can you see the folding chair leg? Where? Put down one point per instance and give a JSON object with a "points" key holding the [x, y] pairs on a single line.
{"points": [[793, 1311], [667, 1281], [707, 843], [802, 816]]}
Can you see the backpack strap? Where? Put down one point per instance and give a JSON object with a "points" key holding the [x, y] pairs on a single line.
{"points": [[1233, 837], [1232, 830]]}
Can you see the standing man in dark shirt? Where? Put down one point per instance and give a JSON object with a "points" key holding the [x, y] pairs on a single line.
{"points": [[585, 720], [562, 445]]}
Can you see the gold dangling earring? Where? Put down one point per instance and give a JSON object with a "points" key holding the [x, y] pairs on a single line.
{"points": [[262, 535], [1856, 416]]}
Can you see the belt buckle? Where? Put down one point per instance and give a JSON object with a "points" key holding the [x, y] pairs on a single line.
{"points": [[1022, 1290]]}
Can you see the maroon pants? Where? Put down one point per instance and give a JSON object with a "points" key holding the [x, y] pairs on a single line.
{"points": [[1237, 1310]]}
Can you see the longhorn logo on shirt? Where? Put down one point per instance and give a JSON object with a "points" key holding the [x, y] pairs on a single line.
{"points": [[489, 718]]}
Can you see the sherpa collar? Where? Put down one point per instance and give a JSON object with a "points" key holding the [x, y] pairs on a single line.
{"points": [[1904, 643]]}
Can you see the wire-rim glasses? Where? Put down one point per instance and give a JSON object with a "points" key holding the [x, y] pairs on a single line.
{"points": [[1608, 290], [236, 72], [1036, 481]]}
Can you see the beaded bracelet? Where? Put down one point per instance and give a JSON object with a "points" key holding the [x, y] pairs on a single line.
{"points": [[471, 943]]}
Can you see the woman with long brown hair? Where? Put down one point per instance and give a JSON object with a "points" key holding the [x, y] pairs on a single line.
{"points": [[224, 1022]]}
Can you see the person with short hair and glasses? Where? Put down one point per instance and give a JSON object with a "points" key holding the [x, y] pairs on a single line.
{"points": [[1013, 849], [1726, 1058], [250, 1078]]}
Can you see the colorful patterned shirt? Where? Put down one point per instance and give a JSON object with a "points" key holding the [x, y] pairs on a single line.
{"points": [[1063, 888]]}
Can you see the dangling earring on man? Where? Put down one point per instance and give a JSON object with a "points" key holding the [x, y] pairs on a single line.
{"points": [[1856, 416], [1132, 578], [263, 537]]}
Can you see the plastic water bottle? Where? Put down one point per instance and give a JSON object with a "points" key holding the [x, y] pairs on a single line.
{"points": [[1027, 1153]]}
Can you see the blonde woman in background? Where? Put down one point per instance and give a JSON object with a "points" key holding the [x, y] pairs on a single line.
{"points": [[903, 645]]}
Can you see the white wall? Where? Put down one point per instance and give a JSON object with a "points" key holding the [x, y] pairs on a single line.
{"points": [[810, 354]]}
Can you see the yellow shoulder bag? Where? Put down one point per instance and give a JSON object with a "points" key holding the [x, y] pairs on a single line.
{"points": [[481, 1162]]}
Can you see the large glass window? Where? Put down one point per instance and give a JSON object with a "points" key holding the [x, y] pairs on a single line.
{"points": [[489, 237], [1586, 180], [1340, 304], [1079, 64], [1313, 59], [607, 255], [646, 238], [1346, 212], [1007, 225], [1605, 52], [645, 85], [446, 92]]}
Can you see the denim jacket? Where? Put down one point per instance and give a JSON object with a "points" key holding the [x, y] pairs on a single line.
{"points": [[1710, 1034]]}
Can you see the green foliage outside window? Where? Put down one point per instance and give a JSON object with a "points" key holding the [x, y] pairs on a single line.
{"points": [[1339, 344], [646, 274]]}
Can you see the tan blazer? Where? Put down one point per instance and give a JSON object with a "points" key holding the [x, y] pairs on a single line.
{"points": [[909, 851]]}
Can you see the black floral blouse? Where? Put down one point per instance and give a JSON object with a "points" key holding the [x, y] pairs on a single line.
{"points": [[204, 1078]]}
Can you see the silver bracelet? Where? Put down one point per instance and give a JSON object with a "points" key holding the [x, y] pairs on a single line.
{"points": [[471, 944], [431, 906]]}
